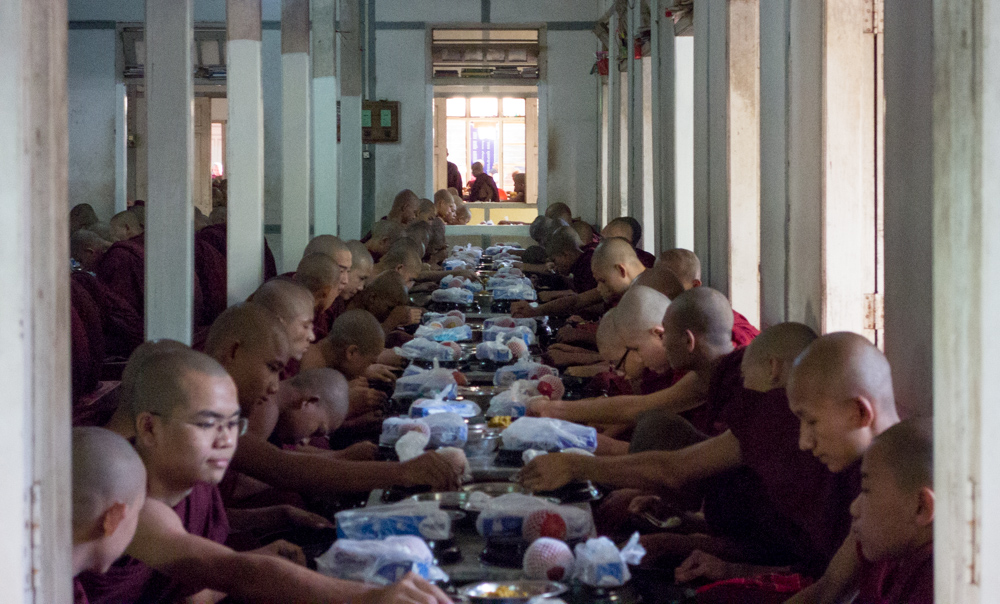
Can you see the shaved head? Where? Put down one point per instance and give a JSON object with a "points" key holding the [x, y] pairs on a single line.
{"points": [[626, 227], [246, 324], [125, 225], [325, 244], [360, 256], [81, 216], [540, 228], [609, 343], [641, 309], [685, 264], [614, 251], [427, 209], [662, 280], [615, 266], [137, 361], [287, 299], [165, 381], [584, 230], [907, 449], [840, 387], [382, 294], [559, 211], [704, 311], [252, 344], [87, 248], [562, 240], [357, 328], [329, 386], [404, 207], [106, 470], [140, 214], [318, 271], [443, 196], [783, 342]]}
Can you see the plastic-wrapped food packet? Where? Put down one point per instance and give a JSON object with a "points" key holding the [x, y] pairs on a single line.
{"points": [[427, 350], [548, 434], [379, 562], [600, 564], [452, 295], [420, 518], [519, 516], [459, 333], [523, 369], [416, 382]]}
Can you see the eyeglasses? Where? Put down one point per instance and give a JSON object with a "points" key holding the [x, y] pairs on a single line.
{"points": [[218, 424], [621, 361]]}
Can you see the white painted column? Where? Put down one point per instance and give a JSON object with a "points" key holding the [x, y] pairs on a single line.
{"points": [[349, 209], [700, 157], [614, 199], [121, 149], [324, 101], [909, 199], [170, 137], [244, 151], [966, 257], [295, 148], [542, 149], [35, 525], [662, 132], [634, 155], [683, 143]]}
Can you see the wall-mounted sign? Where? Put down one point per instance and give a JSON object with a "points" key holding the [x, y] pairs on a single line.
{"points": [[380, 121]]}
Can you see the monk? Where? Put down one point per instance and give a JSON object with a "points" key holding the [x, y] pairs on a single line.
{"points": [[335, 248], [894, 517], [426, 210], [109, 490], [355, 341], [362, 268], [82, 216], [564, 248], [613, 265], [841, 390], [404, 207], [444, 205], [630, 229], [311, 405], [403, 259], [87, 248], [696, 337], [322, 276], [386, 299], [292, 303], [454, 177], [124, 225], [687, 267], [463, 215], [483, 188], [559, 211], [587, 234], [186, 421], [383, 234], [250, 343]]}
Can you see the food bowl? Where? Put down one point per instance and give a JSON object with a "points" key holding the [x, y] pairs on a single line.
{"points": [[511, 592], [482, 441]]}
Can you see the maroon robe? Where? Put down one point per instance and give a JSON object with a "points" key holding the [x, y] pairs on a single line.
{"points": [[582, 275], [647, 259], [743, 331], [454, 177], [210, 266], [122, 325], [130, 581], [812, 504], [484, 188], [909, 580], [216, 236], [724, 386], [79, 596], [86, 341]]}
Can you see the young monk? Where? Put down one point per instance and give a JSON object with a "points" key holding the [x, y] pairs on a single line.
{"points": [[311, 405], [687, 267], [335, 248], [404, 207], [124, 225], [109, 490], [249, 340], [559, 211], [426, 210], [292, 303], [463, 215], [697, 329], [563, 247], [444, 204], [82, 216], [384, 233], [614, 267], [355, 342], [186, 422], [403, 259], [362, 268], [87, 248], [630, 229], [322, 276], [894, 517]]}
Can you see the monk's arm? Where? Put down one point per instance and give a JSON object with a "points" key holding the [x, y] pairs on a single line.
{"points": [[649, 471], [686, 394], [313, 474], [839, 584], [163, 544]]}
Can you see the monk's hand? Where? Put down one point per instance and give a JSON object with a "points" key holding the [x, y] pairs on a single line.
{"points": [[569, 334], [646, 504], [467, 273], [299, 517], [549, 472], [362, 451], [700, 565], [543, 407], [431, 469], [411, 589], [283, 549], [522, 310], [389, 358], [382, 373]]}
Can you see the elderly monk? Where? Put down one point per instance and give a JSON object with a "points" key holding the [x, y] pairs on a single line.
{"points": [[186, 421], [687, 267], [109, 489], [841, 390], [250, 342]]}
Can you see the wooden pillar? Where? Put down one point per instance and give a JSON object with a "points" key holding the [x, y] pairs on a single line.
{"points": [[169, 213], [966, 262], [324, 99], [35, 525], [295, 129], [349, 209], [244, 151]]}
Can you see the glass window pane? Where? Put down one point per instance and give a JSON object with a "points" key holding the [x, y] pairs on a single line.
{"points": [[481, 107], [457, 142], [485, 137], [514, 154], [513, 107], [455, 107]]}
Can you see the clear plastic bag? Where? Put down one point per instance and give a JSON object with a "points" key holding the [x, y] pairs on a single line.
{"points": [[495, 332], [497, 352], [452, 318], [508, 321], [460, 333], [427, 350], [393, 428], [452, 295], [515, 292], [416, 382], [520, 516], [600, 564], [420, 518], [426, 407], [548, 434], [523, 369], [462, 282], [379, 562], [447, 430], [513, 402], [496, 282]]}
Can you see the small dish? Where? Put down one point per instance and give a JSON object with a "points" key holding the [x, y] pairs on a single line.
{"points": [[511, 592]]}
